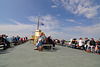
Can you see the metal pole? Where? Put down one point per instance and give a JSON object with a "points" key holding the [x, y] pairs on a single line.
{"points": [[38, 24]]}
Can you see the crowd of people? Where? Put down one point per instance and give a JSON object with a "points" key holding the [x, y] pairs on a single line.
{"points": [[7, 41], [42, 39], [86, 45]]}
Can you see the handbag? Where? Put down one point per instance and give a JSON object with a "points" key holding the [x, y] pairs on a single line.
{"points": [[88, 50]]}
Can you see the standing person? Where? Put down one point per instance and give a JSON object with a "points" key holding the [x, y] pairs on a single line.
{"points": [[81, 43], [92, 44]]}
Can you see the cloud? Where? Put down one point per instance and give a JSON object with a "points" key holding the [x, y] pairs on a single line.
{"points": [[18, 29], [94, 29], [83, 31], [50, 22], [79, 7], [54, 6], [71, 20], [58, 15], [56, 2], [18, 23], [33, 19], [52, 26]]}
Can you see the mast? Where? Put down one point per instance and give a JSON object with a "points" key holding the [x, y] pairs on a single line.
{"points": [[38, 24]]}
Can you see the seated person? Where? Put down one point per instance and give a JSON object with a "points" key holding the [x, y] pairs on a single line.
{"points": [[51, 41], [6, 41], [97, 48], [70, 43], [2, 41], [92, 44], [87, 43], [74, 42], [18, 39], [62, 42], [81, 43], [14, 40], [21, 39], [40, 41]]}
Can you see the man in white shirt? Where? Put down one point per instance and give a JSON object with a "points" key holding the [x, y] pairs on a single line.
{"points": [[81, 43]]}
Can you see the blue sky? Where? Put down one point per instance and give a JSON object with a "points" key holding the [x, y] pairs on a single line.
{"points": [[63, 19]]}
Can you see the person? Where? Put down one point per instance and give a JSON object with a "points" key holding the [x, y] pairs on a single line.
{"points": [[14, 39], [17, 38], [62, 41], [92, 44], [87, 43], [99, 43], [6, 41], [2, 41], [81, 43], [21, 39], [70, 43], [74, 42], [26, 38], [40, 41], [51, 41], [44, 39], [56, 40], [97, 48], [18, 41], [99, 40]]}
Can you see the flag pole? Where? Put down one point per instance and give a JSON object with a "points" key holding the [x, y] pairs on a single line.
{"points": [[38, 22]]}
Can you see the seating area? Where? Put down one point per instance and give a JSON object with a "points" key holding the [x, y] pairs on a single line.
{"points": [[7, 42], [87, 45], [44, 42], [2, 44], [49, 46]]}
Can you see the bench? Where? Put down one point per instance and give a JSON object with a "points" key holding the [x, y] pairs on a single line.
{"points": [[15, 42], [2, 44], [47, 45]]}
